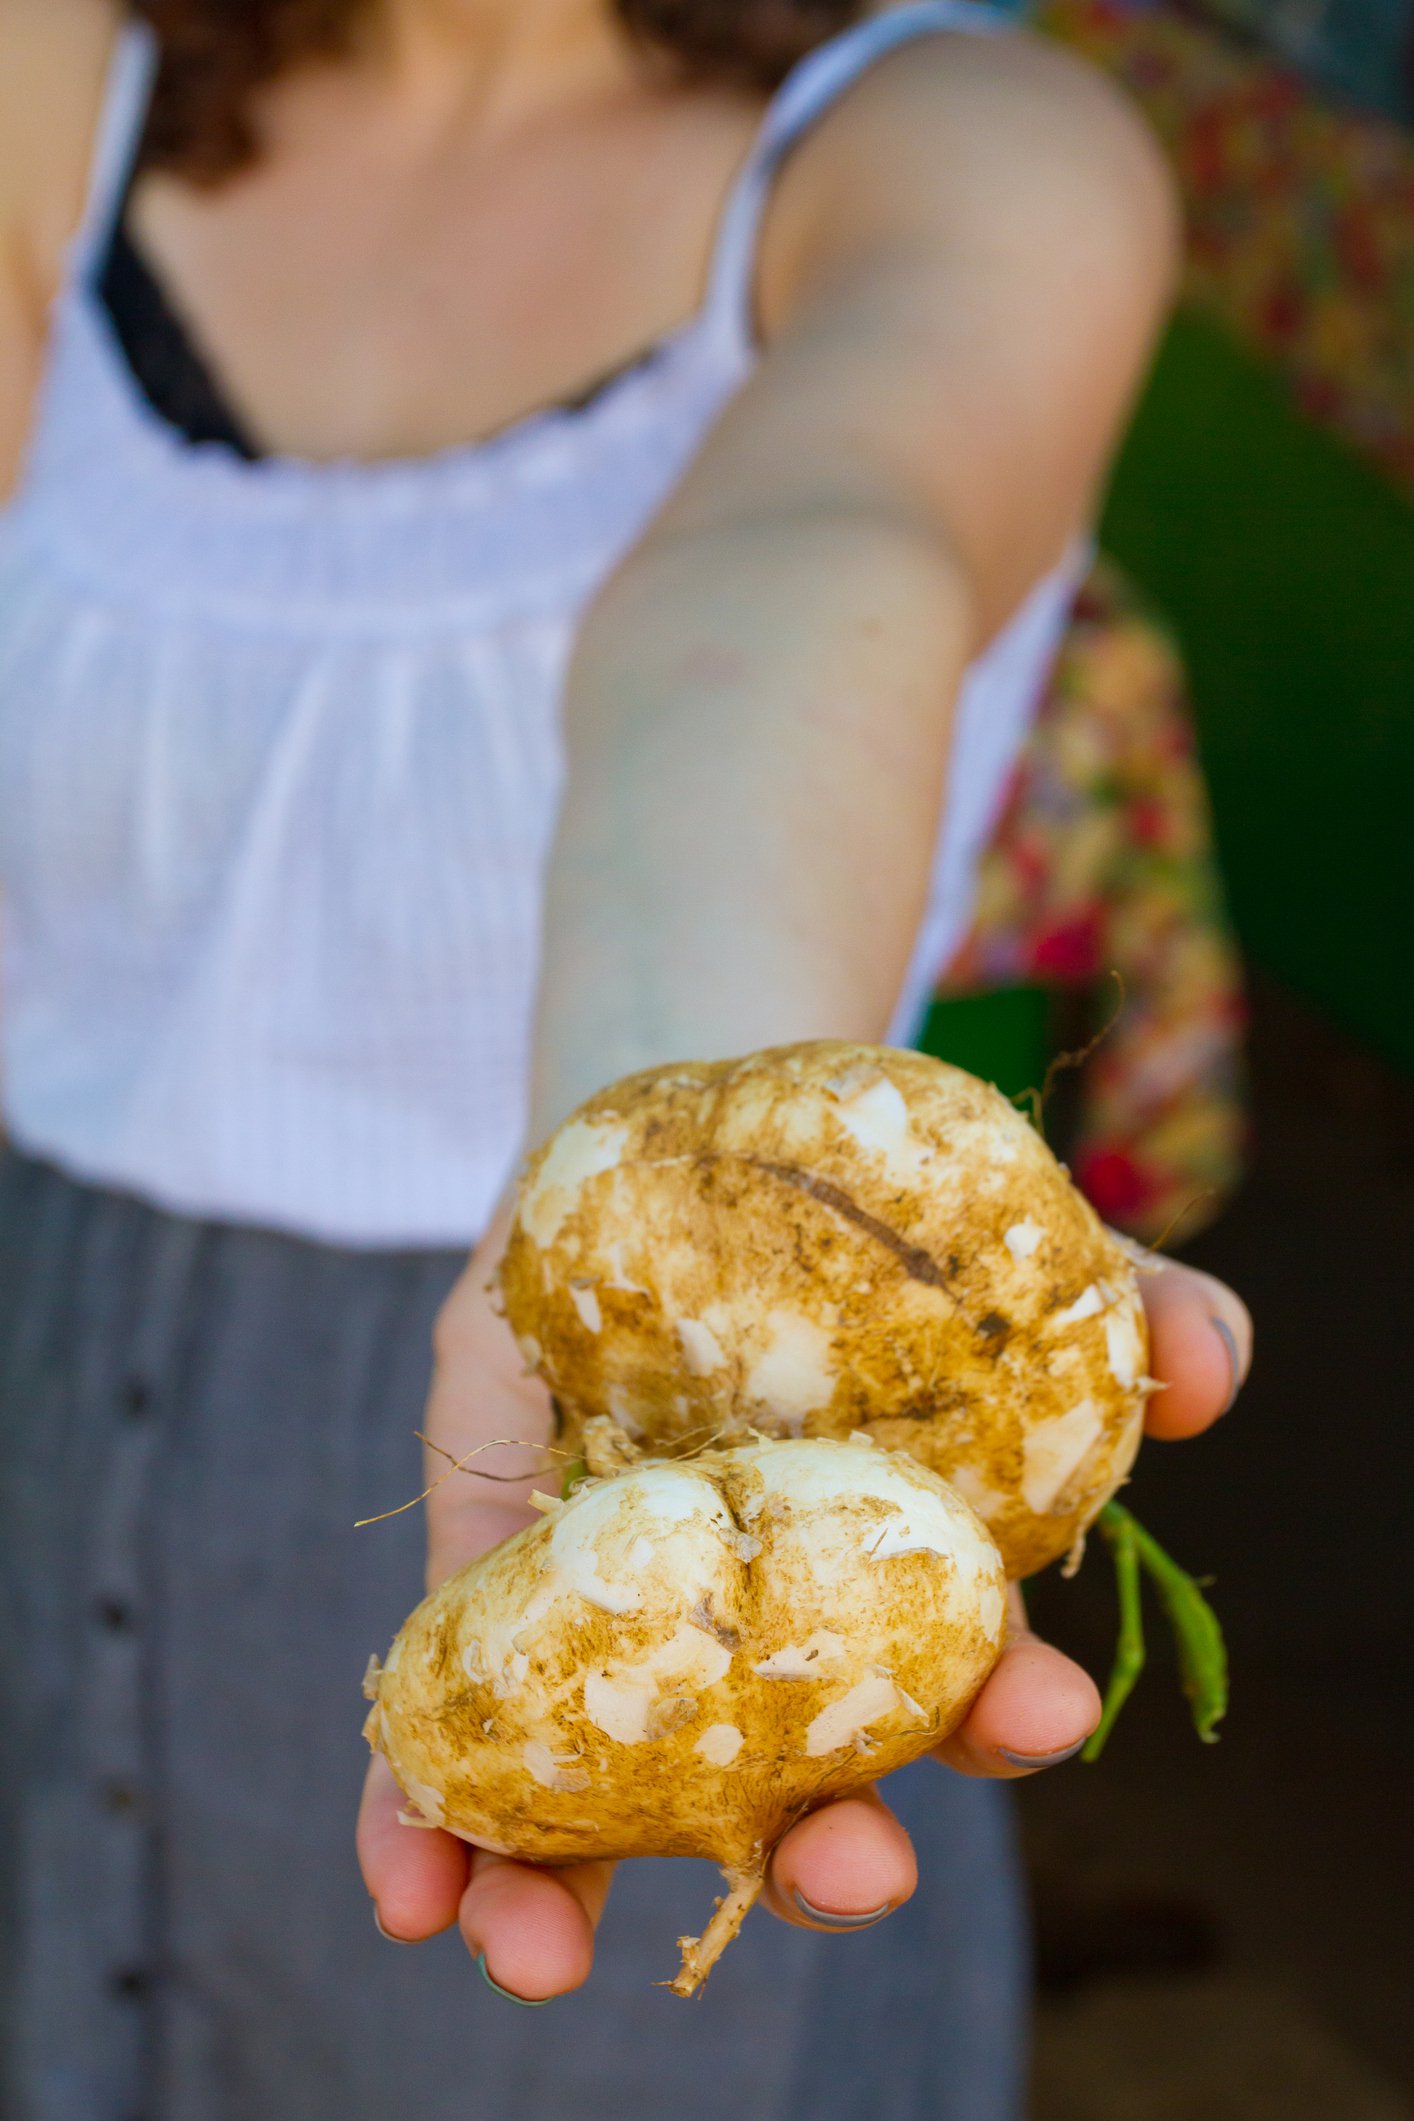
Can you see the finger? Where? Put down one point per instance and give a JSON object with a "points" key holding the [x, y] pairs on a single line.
{"points": [[842, 1868], [1200, 1336], [1037, 1709], [457, 1533], [416, 1875], [531, 1929], [487, 1425]]}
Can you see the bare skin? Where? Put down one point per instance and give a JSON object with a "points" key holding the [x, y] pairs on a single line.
{"points": [[963, 269]]}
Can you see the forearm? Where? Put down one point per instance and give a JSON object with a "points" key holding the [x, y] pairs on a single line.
{"points": [[758, 724]]}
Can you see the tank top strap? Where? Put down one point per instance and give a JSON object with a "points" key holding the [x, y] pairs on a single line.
{"points": [[803, 97], [131, 73]]}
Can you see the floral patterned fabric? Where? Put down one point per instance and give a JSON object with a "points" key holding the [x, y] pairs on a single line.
{"points": [[1104, 862], [1300, 215]]}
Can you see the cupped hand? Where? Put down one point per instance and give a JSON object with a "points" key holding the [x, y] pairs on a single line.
{"points": [[848, 1864]]}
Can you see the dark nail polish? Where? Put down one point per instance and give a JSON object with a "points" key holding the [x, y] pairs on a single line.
{"points": [[1036, 1761], [840, 1922], [527, 2003], [1225, 1335], [378, 1925]]}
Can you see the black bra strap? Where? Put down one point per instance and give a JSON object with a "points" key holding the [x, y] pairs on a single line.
{"points": [[160, 352]]}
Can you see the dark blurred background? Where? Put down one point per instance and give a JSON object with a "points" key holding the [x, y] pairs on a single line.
{"points": [[1220, 806], [1225, 1932]]}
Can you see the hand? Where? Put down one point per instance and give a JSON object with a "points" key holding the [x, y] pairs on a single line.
{"points": [[848, 1863]]}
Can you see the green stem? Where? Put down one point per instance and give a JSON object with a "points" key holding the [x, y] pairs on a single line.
{"points": [[1119, 1533], [1202, 1653], [576, 1470]]}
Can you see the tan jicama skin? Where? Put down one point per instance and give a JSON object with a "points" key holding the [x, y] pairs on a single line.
{"points": [[826, 1238], [684, 1658]]}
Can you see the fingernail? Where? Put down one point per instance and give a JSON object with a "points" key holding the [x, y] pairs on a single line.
{"points": [[1035, 1761], [528, 2003], [840, 1922], [1225, 1335], [378, 1925]]}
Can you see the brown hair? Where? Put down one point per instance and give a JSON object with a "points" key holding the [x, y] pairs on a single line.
{"points": [[217, 53]]}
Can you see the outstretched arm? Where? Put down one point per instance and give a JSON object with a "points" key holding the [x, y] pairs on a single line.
{"points": [[963, 274]]}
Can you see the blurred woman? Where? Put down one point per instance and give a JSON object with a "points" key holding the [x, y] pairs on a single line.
{"points": [[534, 530]]}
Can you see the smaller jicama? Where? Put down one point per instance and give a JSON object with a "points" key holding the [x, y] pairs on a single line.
{"points": [[686, 1657]]}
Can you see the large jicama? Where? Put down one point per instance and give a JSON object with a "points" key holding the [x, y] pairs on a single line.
{"points": [[684, 1658], [824, 1238]]}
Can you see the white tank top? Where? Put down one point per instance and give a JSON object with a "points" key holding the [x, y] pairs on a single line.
{"points": [[280, 755]]}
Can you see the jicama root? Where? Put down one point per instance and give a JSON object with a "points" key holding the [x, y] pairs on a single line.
{"points": [[827, 1238], [711, 1631], [686, 1657], [700, 1954]]}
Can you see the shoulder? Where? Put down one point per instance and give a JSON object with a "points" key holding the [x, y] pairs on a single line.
{"points": [[994, 146], [54, 58], [963, 271]]}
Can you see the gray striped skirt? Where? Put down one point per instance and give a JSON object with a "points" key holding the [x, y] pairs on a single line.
{"points": [[191, 1418]]}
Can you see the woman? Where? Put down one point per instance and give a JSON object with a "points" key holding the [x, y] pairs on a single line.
{"points": [[533, 531]]}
